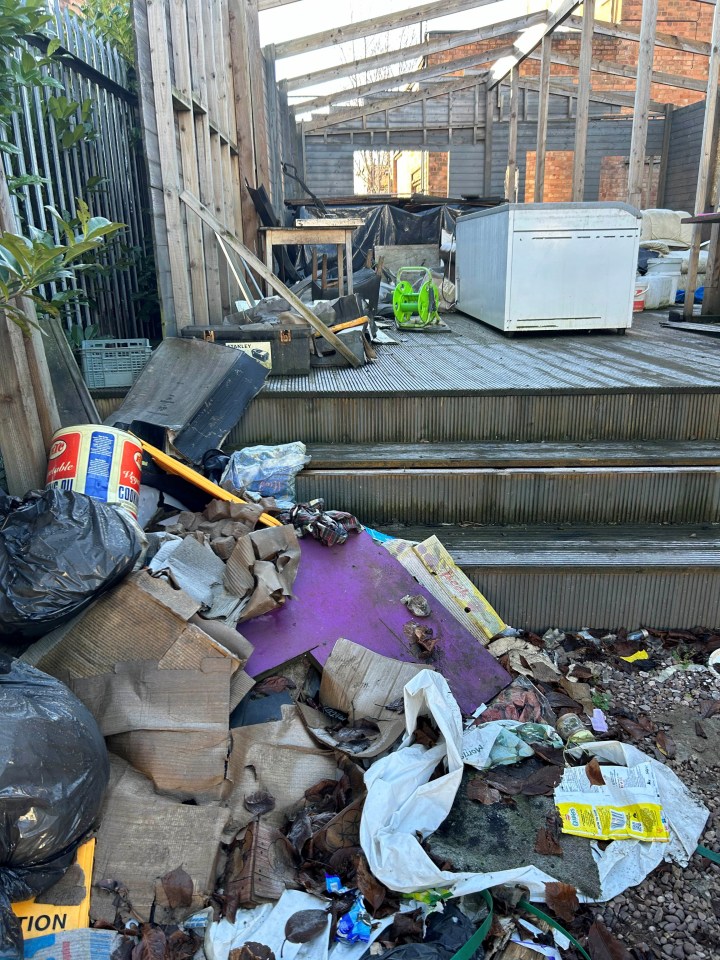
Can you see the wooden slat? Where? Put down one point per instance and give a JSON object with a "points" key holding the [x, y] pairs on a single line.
{"points": [[415, 52], [489, 124], [707, 147], [273, 4], [415, 76], [259, 267], [526, 44], [638, 139], [177, 247], [616, 98], [389, 103], [365, 28], [670, 40], [623, 70], [542, 122], [243, 120], [512, 138], [257, 93], [583, 102]]}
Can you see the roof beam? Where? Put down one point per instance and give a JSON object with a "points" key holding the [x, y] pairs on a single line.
{"points": [[525, 45], [618, 70], [390, 103], [616, 98], [414, 52], [385, 83], [272, 4], [365, 28], [670, 40]]}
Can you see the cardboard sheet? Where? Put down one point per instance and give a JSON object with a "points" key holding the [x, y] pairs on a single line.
{"points": [[280, 757], [143, 836], [360, 683], [355, 591]]}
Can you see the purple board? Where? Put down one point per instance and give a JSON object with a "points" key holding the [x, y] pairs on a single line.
{"points": [[354, 591]]}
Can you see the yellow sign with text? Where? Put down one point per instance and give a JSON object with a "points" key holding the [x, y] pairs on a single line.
{"points": [[37, 919]]}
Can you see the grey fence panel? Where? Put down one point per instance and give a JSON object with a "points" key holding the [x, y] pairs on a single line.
{"points": [[119, 291]]}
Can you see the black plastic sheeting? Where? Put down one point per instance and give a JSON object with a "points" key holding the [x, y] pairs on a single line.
{"points": [[58, 551], [385, 225], [53, 773]]}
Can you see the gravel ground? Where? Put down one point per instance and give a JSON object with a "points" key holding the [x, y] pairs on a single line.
{"points": [[675, 912]]}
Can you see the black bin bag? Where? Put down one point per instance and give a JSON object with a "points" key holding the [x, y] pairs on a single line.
{"points": [[58, 550], [53, 773]]}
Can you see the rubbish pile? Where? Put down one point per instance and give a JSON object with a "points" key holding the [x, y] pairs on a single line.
{"points": [[376, 766]]}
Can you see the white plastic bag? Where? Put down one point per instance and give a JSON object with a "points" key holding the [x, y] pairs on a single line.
{"points": [[267, 471]]}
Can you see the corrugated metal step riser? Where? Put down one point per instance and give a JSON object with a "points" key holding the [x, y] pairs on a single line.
{"points": [[587, 495], [652, 415], [535, 599]]}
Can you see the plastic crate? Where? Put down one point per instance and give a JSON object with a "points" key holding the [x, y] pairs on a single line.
{"points": [[113, 363]]}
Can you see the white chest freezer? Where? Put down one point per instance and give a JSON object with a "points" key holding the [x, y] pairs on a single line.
{"points": [[548, 266]]}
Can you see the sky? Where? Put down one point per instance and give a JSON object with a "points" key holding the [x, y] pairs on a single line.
{"points": [[313, 16]]}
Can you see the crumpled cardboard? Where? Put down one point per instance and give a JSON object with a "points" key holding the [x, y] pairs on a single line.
{"points": [[143, 836], [279, 757], [360, 683], [160, 687]]}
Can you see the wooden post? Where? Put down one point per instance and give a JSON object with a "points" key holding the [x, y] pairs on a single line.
{"points": [[583, 101], [512, 138], [638, 139], [489, 118], [542, 121], [706, 162], [28, 412], [257, 93], [665, 151]]}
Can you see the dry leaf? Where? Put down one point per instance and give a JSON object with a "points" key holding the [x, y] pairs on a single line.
{"points": [[711, 709], [478, 789], [631, 728], [700, 730], [603, 945], [562, 900], [554, 755], [300, 831], [405, 928], [273, 685], [665, 744], [417, 605], [178, 887], [396, 706], [371, 889], [542, 782], [594, 773], [546, 843], [305, 925], [252, 951], [259, 803], [152, 945]]}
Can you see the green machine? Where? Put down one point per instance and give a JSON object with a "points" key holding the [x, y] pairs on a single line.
{"points": [[415, 299]]}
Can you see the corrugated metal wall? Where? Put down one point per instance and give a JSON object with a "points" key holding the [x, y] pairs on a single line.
{"points": [[684, 157]]}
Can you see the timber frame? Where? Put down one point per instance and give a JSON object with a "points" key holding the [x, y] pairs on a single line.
{"points": [[533, 36]]}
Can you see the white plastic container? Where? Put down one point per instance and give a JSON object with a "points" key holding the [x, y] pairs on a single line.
{"points": [[549, 266], [661, 290]]}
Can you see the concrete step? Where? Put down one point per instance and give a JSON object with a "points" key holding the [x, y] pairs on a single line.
{"points": [[601, 577], [515, 483]]}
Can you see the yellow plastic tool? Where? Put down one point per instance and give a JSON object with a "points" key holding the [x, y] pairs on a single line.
{"points": [[347, 325], [171, 465]]}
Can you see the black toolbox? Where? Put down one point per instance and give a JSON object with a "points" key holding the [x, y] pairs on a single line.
{"points": [[283, 348]]}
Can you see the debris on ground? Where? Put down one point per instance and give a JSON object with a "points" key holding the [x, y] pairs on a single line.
{"points": [[376, 765]]}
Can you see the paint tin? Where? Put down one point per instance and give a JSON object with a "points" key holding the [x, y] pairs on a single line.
{"points": [[101, 462]]}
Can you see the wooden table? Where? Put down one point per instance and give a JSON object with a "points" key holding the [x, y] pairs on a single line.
{"points": [[337, 233]]}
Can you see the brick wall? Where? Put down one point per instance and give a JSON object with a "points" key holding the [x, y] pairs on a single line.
{"points": [[614, 180], [437, 174], [685, 18], [557, 187]]}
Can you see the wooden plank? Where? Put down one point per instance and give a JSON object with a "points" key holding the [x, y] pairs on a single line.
{"points": [[525, 44], [511, 191], [203, 145], [273, 4], [277, 285], [179, 267], [243, 120], [188, 157], [669, 40], [489, 124], [583, 102], [542, 121], [365, 28], [335, 222], [415, 76], [664, 154], [415, 52], [621, 70], [388, 103], [707, 163], [638, 139], [257, 93], [615, 98]]}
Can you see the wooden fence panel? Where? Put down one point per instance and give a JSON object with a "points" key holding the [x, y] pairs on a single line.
{"points": [[196, 57], [90, 69]]}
